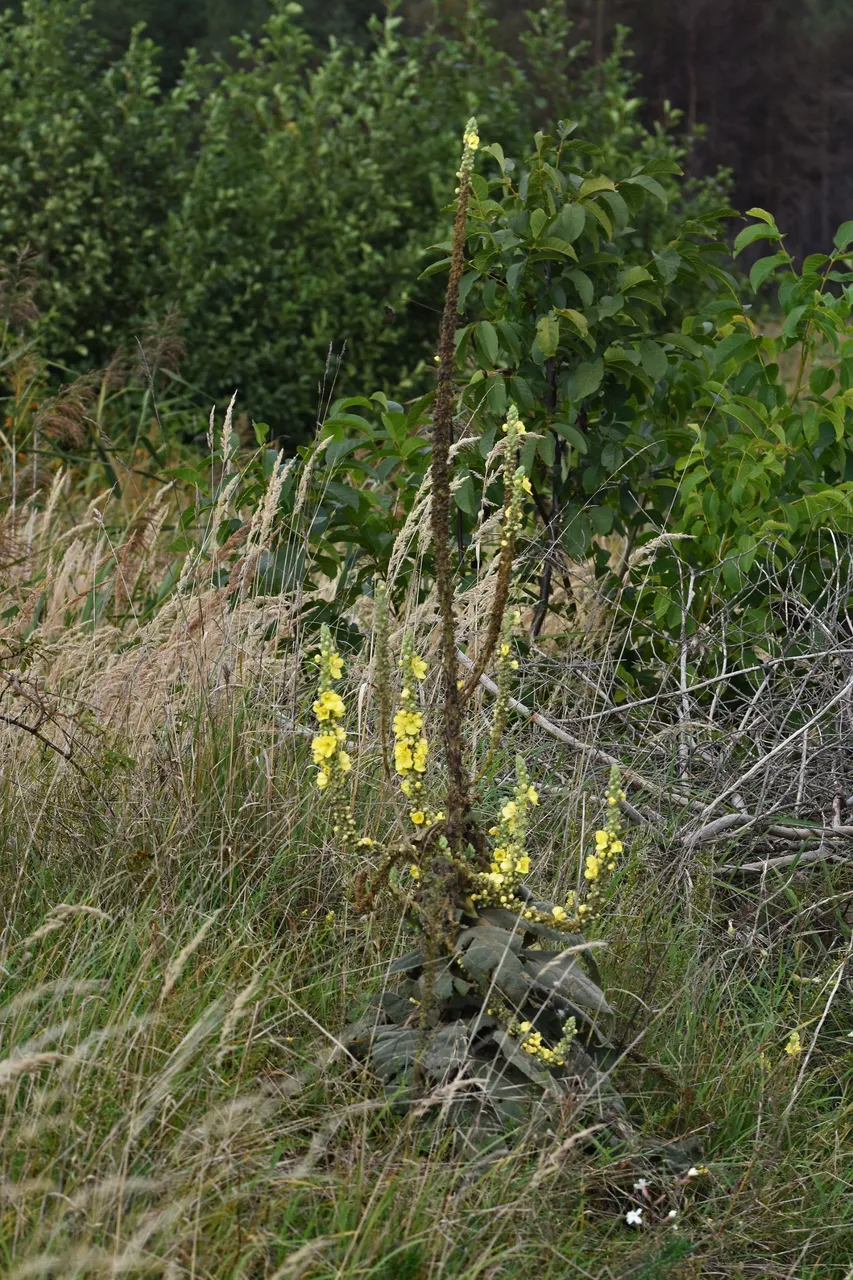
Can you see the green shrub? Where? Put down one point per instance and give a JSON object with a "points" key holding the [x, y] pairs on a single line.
{"points": [[282, 205]]}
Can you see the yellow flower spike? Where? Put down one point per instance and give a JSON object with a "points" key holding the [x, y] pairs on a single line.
{"points": [[794, 1047]]}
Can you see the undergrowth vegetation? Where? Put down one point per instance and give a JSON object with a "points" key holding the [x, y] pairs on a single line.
{"points": [[426, 850]]}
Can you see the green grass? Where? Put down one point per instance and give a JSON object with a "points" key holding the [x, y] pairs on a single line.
{"points": [[194, 1120]]}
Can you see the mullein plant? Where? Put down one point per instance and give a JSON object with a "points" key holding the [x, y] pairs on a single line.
{"points": [[497, 976]]}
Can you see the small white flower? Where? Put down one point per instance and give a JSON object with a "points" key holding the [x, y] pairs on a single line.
{"points": [[850, 1035], [634, 1217], [673, 1213], [693, 1172], [641, 1184]]}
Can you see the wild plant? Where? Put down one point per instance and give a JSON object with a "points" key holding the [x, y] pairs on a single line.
{"points": [[497, 978]]}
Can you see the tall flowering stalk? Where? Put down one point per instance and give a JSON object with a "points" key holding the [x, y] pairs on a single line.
{"points": [[458, 803]]}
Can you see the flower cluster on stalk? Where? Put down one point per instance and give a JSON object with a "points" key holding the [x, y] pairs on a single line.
{"points": [[531, 1042], [510, 860], [327, 746], [411, 747], [516, 482], [608, 845]]}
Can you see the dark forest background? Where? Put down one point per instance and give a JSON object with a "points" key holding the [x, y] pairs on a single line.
{"points": [[766, 87]]}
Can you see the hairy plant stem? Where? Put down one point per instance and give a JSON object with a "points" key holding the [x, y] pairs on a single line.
{"points": [[458, 802]]}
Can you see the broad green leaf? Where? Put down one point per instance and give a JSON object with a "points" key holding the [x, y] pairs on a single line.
{"points": [[591, 185], [574, 436], [577, 318], [585, 379], [548, 335], [758, 231], [668, 262], [551, 244], [486, 338], [467, 498], [756, 212], [844, 235], [538, 218], [649, 184], [765, 267], [569, 223], [821, 379], [584, 286], [632, 276], [653, 358], [789, 328]]}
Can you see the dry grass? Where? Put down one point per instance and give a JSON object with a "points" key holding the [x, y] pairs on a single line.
{"points": [[172, 1098]]}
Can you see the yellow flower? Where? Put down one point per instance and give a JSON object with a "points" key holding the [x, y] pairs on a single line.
{"points": [[415, 872], [336, 666], [592, 868], [505, 650], [418, 817], [524, 1026], [602, 839], [509, 811], [505, 865], [328, 704], [472, 139], [330, 917], [439, 817], [526, 485], [522, 866], [344, 761], [558, 913], [322, 779], [794, 1047], [495, 878], [407, 724], [402, 757], [324, 746], [532, 795], [420, 755], [406, 787], [419, 668], [616, 846], [365, 842]]}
